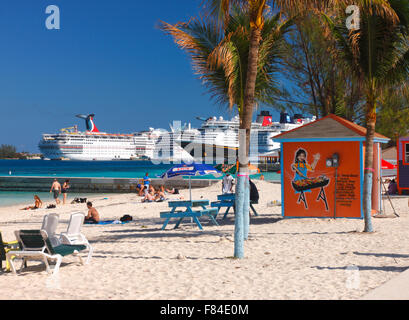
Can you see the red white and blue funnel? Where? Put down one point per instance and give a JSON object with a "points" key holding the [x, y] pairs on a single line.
{"points": [[89, 122]]}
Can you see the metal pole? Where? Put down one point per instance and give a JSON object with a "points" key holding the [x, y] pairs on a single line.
{"points": [[389, 198], [335, 193], [190, 190]]}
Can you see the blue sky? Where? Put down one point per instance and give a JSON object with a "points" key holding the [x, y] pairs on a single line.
{"points": [[108, 58]]}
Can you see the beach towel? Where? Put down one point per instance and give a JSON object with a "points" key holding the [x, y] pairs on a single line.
{"points": [[105, 222]]}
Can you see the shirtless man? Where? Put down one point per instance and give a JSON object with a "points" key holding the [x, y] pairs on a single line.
{"points": [[93, 215], [56, 189]]}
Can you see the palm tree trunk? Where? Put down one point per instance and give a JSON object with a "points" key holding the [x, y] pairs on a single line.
{"points": [[370, 133], [242, 189]]}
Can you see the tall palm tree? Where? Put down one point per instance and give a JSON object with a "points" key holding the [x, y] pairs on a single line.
{"points": [[378, 56], [220, 57]]}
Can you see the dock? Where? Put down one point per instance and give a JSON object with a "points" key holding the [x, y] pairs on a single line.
{"points": [[94, 184]]}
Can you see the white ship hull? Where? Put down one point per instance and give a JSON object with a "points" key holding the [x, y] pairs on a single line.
{"points": [[99, 147]]}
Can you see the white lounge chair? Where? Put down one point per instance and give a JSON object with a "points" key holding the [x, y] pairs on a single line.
{"points": [[36, 245], [73, 235], [50, 223]]}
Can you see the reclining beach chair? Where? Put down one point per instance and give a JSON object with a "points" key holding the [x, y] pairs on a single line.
{"points": [[74, 235], [35, 245], [50, 223], [4, 248]]}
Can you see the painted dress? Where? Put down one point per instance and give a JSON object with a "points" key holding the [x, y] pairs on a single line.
{"points": [[303, 168]]}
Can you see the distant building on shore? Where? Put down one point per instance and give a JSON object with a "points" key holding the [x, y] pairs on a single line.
{"points": [[389, 154]]}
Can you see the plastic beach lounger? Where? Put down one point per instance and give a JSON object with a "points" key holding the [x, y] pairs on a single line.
{"points": [[35, 245], [73, 234], [4, 248]]}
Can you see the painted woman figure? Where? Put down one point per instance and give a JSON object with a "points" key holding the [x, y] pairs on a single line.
{"points": [[301, 167]]}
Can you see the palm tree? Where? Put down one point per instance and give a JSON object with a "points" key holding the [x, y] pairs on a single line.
{"points": [[220, 57], [219, 10], [378, 56]]}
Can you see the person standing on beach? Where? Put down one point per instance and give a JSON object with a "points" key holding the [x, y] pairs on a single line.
{"points": [[56, 189], [146, 182], [64, 189], [227, 184]]}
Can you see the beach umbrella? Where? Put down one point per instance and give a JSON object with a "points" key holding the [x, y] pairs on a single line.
{"points": [[194, 169]]}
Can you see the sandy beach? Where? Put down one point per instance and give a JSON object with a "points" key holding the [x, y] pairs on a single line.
{"points": [[284, 258]]}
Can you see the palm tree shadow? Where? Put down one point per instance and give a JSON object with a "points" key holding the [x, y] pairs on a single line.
{"points": [[258, 220], [366, 268], [388, 255]]}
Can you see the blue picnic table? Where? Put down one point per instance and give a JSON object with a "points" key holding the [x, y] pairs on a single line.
{"points": [[227, 201], [189, 212]]}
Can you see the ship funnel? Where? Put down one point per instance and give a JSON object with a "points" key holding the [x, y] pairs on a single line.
{"points": [[89, 122], [264, 118]]}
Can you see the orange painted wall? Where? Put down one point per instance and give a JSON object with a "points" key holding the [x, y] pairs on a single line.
{"points": [[348, 182]]}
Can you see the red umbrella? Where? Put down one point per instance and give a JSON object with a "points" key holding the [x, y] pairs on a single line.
{"points": [[387, 165]]}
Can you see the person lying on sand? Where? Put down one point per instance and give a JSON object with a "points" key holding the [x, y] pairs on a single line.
{"points": [[93, 215], [37, 204], [172, 190]]}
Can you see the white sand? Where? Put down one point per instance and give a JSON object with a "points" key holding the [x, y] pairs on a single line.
{"points": [[284, 258]]}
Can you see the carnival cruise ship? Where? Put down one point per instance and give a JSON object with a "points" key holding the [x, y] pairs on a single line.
{"points": [[218, 138], [71, 144], [92, 144]]}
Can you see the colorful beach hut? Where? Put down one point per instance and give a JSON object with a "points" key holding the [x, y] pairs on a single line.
{"points": [[322, 169]]}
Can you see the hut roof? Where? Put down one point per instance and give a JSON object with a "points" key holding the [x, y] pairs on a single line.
{"points": [[328, 127]]}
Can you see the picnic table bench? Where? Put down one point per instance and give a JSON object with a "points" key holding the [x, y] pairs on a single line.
{"points": [[227, 200], [189, 212]]}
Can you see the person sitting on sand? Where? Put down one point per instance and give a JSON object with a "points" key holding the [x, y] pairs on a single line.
{"points": [[152, 190], [37, 204], [148, 198], [160, 194], [93, 215]]}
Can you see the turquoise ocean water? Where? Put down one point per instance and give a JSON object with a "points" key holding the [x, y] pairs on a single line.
{"points": [[93, 169], [11, 198]]}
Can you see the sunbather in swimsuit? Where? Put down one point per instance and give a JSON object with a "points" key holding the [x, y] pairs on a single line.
{"points": [[93, 215]]}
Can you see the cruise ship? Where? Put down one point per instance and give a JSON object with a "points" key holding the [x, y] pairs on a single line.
{"points": [[92, 144], [217, 139], [154, 144]]}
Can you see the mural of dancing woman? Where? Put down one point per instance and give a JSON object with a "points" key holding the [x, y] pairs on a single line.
{"points": [[301, 167]]}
